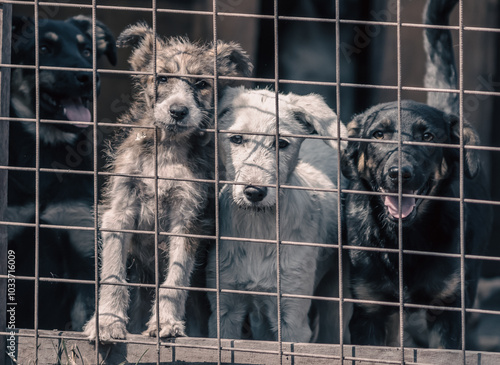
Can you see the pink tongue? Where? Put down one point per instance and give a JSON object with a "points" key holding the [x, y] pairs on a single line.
{"points": [[75, 111], [407, 205]]}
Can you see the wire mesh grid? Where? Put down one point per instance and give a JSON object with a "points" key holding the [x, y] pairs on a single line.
{"points": [[278, 351]]}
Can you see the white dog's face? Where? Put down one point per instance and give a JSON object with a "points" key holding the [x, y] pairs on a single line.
{"points": [[248, 145]]}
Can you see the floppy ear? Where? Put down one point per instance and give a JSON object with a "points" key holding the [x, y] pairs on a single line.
{"points": [[141, 38], [472, 164], [105, 42], [232, 60], [351, 161], [317, 117]]}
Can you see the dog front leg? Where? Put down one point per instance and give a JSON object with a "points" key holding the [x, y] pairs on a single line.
{"points": [[172, 302], [444, 329], [113, 299], [294, 319], [367, 327], [233, 310]]}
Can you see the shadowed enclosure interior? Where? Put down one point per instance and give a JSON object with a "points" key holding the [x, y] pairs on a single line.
{"points": [[355, 54]]}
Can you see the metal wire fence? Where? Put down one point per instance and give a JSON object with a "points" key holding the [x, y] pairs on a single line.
{"points": [[31, 345]]}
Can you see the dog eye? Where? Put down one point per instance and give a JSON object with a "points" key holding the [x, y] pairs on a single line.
{"points": [[202, 84], [87, 52], [378, 134], [44, 49], [282, 143], [162, 79], [236, 139], [427, 137]]}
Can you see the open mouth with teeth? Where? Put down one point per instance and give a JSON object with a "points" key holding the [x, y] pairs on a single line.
{"points": [[69, 108], [409, 204]]}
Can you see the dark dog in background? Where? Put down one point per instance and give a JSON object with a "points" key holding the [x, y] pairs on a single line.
{"points": [[401, 180], [63, 198], [63, 96]]}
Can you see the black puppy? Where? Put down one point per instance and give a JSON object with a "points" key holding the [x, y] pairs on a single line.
{"points": [[64, 198], [420, 169]]}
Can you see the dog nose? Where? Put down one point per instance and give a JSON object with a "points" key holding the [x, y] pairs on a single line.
{"points": [[178, 112], [255, 193], [84, 78], [406, 173]]}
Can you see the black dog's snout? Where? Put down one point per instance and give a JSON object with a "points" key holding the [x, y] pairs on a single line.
{"points": [[178, 112], [406, 173], [84, 78], [255, 193]]}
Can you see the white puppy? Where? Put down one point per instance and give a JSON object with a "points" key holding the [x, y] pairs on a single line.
{"points": [[248, 210]]}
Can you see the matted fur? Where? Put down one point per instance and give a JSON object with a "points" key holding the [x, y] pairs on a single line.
{"points": [[306, 216], [180, 108]]}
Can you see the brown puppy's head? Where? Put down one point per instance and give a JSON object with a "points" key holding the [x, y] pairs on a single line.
{"points": [[180, 99]]}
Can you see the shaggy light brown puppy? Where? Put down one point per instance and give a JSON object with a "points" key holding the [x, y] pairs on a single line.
{"points": [[179, 108]]}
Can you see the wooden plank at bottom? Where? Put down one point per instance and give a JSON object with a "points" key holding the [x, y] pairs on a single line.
{"points": [[73, 348]]}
